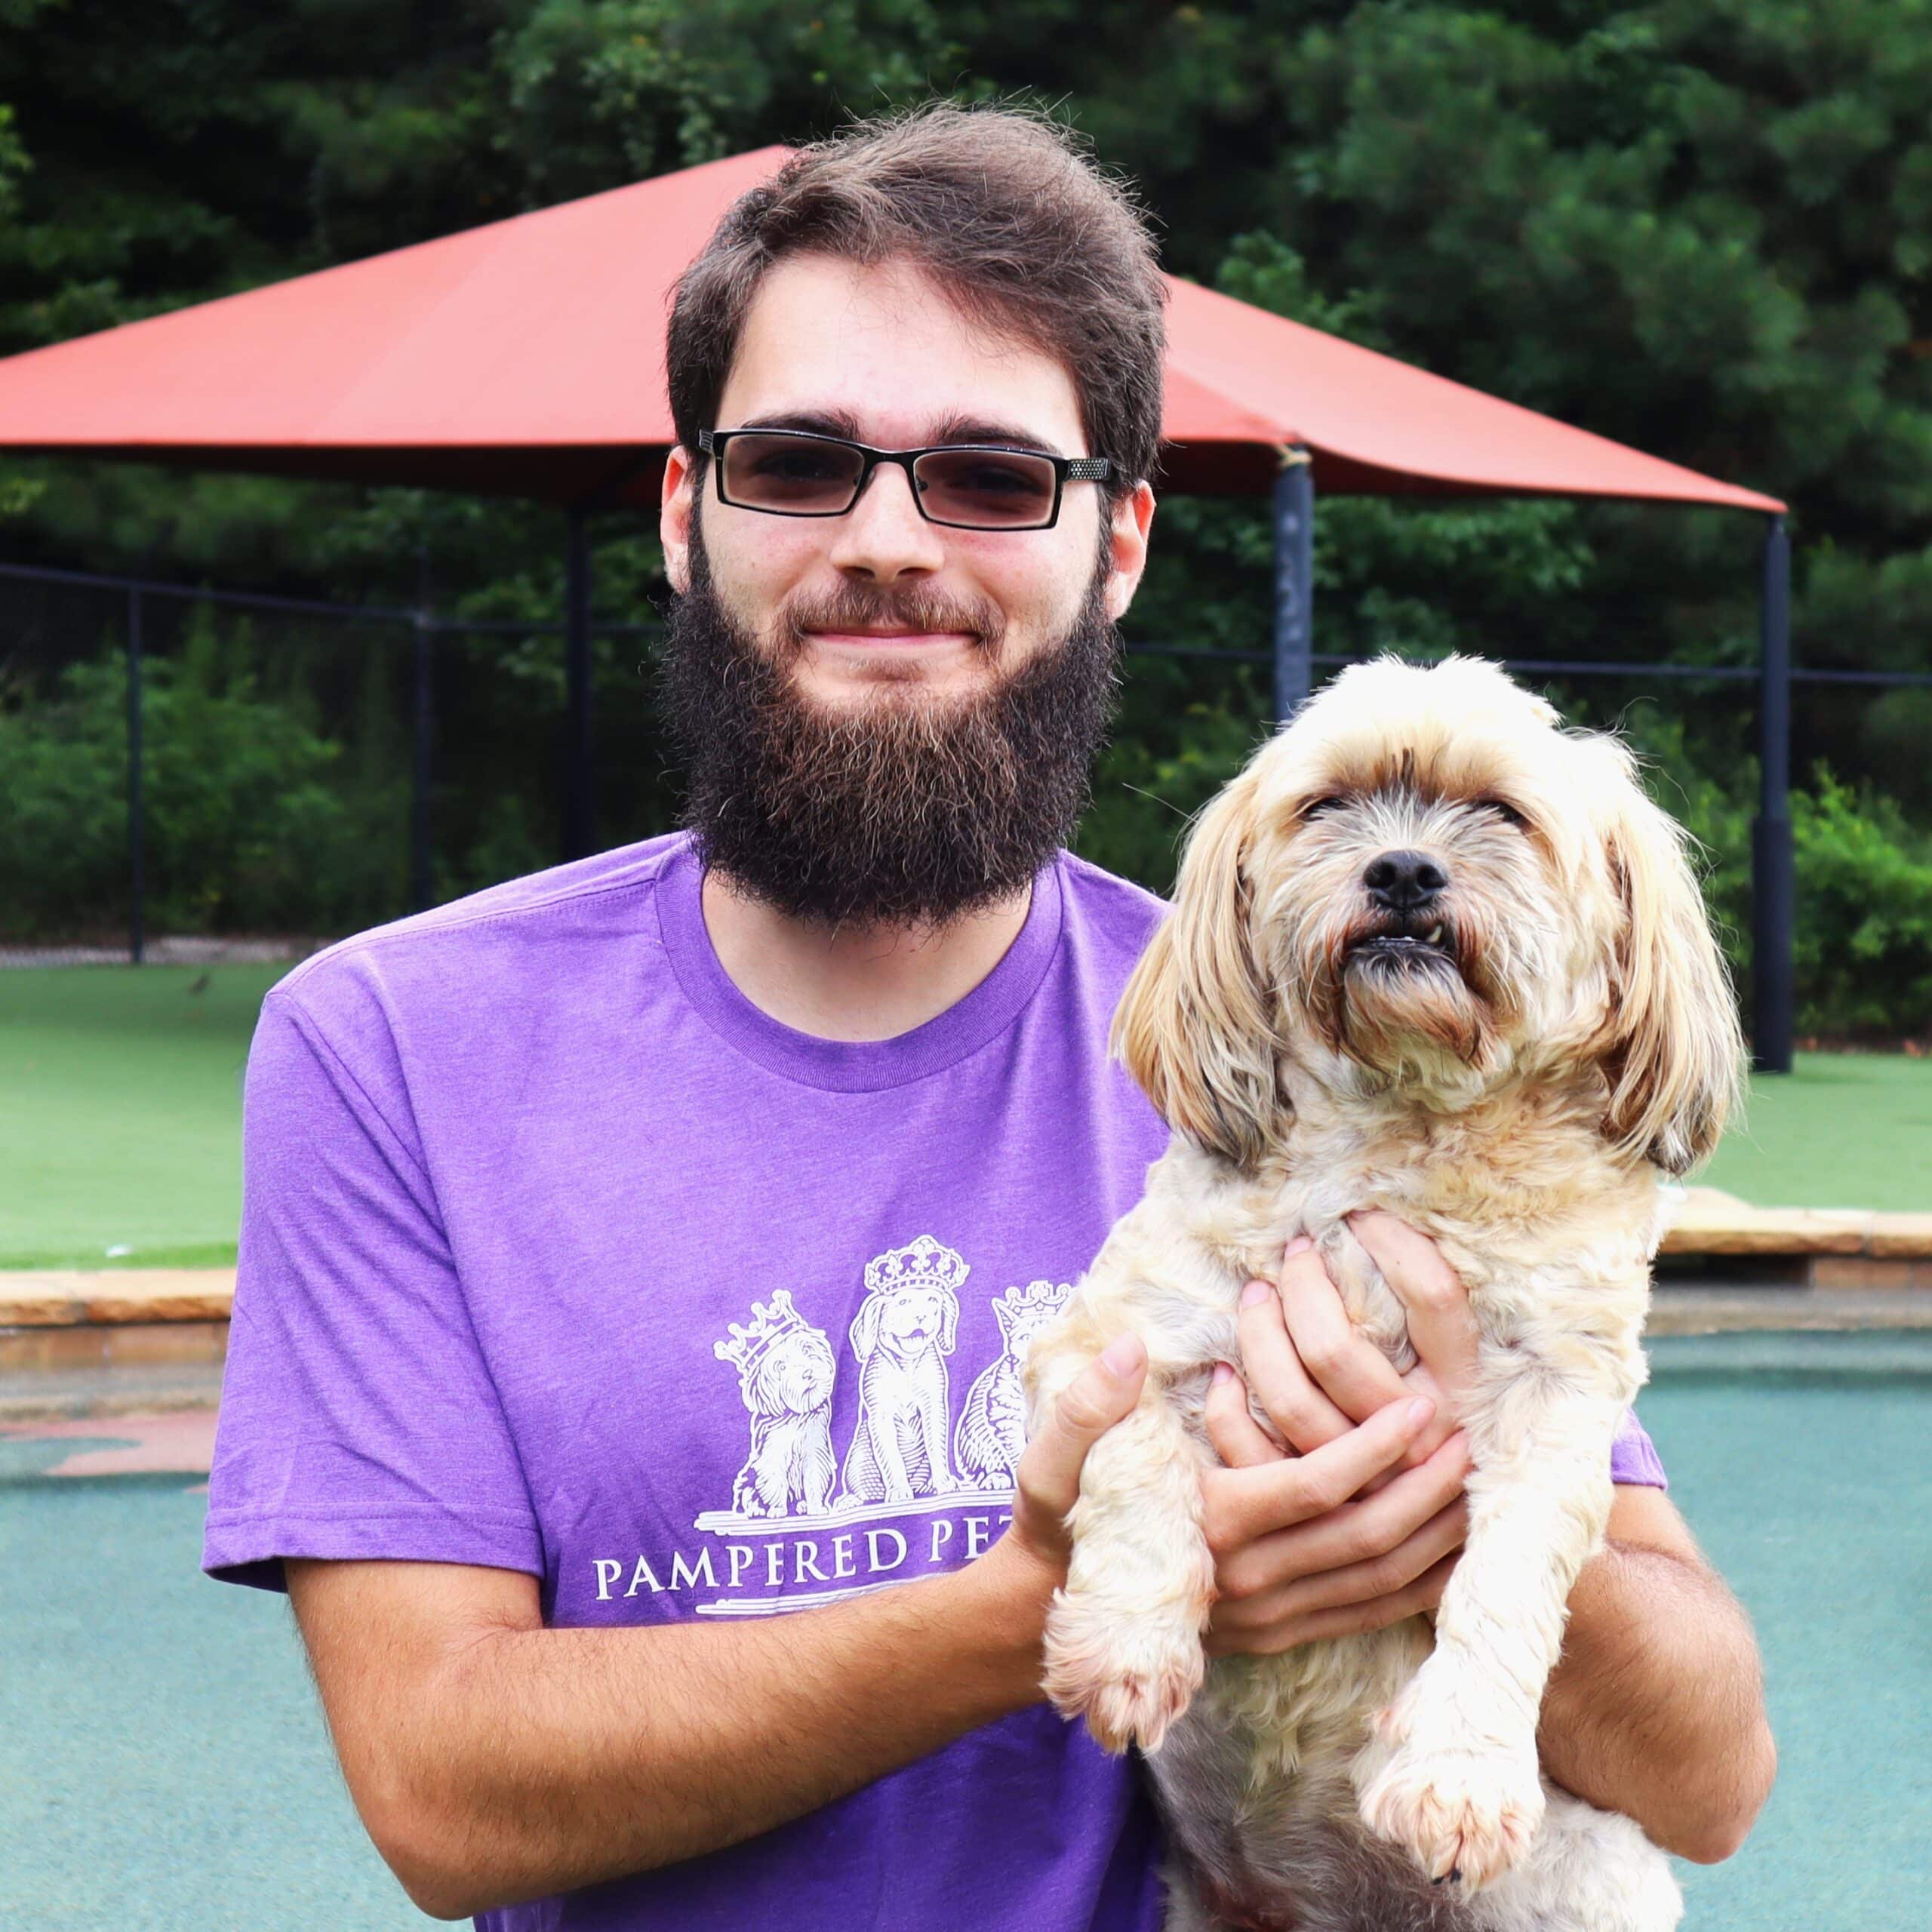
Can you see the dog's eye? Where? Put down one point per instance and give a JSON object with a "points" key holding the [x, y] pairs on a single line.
{"points": [[1506, 812], [1316, 807]]}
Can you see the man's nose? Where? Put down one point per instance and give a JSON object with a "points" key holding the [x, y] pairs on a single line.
{"points": [[883, 536], [1401, 881]]}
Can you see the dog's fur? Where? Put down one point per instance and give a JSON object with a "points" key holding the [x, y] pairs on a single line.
{"points": [[1516, 1096]]}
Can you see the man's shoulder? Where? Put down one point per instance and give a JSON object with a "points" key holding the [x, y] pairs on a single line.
{"points": [[1110, 911], [486, 946]]}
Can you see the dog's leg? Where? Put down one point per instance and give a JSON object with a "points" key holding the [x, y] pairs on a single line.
{"points": [[1589, 1871], [1460, 1787], [1123, 1646]]}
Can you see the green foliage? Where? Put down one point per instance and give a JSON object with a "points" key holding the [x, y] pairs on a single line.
{"points": [[252, 823], [1864, 938], [1704, 227]]}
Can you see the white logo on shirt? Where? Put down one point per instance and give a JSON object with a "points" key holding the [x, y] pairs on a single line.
{"points": [[902, 1336], [785, 1371], [916, 1494], [992, 1426]]}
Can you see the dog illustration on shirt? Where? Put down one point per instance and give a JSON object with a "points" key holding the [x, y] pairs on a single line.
{"points": [[785, 1371], [901, 1336], [992, 1426]]}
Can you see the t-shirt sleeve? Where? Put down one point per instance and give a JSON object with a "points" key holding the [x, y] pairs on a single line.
{"points": [[1633, 1457], [358, 1417]]}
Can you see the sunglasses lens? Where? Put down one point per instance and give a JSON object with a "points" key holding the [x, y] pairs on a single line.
{"points": [[986, 489], [797, 475]]}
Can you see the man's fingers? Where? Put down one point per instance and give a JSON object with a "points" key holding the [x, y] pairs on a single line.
{"points": [[1244, 1504], [1101, 1394], [1442, 1326], [1346, 1621], [1363, 1531], [1304, 1415], [1348, 1369], [1238, 1439], [1395, 1558]]}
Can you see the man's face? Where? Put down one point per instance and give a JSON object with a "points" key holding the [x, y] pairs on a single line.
{"points": [[858, 608]]}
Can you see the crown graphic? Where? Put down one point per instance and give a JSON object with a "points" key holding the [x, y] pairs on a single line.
{"points": [[770, 1322], [1035, 1293], [924, 1263]]}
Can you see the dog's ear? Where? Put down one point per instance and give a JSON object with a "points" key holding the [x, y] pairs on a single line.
{"points": [[1673, 1049], [948, 1326], [864, 1326], [1195, 1026]]}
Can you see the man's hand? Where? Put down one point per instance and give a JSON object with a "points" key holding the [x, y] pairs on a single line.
{"points": [[1356, 1525]]}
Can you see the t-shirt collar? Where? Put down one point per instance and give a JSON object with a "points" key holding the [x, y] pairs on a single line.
{"points": [[851, 1066]]}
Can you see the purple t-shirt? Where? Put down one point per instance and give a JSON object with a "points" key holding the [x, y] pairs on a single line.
{"points": [[559, 1255]]}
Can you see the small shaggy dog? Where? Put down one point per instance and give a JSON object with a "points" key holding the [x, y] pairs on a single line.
{"points": [[1433, 954]]}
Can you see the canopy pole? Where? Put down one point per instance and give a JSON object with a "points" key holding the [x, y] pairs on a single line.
{"points": [[422, 890], [1294, 580], [577, 803], [137, 909], [1773, 861]]}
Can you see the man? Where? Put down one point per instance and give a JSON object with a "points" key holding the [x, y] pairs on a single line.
{"points": [[637, 1250]]}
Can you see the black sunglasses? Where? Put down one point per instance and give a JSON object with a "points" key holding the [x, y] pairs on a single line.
{"points": [[965, 486]]}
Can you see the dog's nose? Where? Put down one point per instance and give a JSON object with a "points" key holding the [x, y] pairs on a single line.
{"points": [[1401, 882]]}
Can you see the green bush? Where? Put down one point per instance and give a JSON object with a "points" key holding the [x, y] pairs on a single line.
{"points": [[1863, 946], [250, 825]]}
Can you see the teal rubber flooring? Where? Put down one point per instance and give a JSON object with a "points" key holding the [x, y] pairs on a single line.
{"points": [[164, 1767]]}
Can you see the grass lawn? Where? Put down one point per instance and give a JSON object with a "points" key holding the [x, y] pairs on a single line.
{"points": [[1840, 1130], [120, 1110], [121, 1113]]}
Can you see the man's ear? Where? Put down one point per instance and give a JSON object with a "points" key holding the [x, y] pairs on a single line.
{"points": [[674, 518], [1126, 541]]}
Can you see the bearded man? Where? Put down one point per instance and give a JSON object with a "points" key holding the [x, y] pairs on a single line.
{"points": [[555, 1192]]}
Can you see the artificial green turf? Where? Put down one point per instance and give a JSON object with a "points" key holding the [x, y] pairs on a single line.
{"points": [[121, 1109], [121, 1113], [1840, 1130]]}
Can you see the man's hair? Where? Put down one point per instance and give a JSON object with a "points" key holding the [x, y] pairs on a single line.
{"points": [[1002, 208]]}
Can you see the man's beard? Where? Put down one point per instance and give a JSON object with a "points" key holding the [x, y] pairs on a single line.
{"points": [[901, 810]]}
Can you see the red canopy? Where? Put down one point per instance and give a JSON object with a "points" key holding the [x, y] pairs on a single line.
{"points": [[526, 358]]}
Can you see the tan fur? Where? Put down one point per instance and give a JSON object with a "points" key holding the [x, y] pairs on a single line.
{"points": [[1517, 1102]]}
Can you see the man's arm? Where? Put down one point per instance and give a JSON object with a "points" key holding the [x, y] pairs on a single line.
{"points": [[493, 1760], [1656, 1708]]}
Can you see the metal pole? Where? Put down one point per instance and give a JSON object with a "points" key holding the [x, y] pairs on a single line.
{"points": [[421, 887], [1294, 581], [137, 918], [578, 833], [1773, 863]]}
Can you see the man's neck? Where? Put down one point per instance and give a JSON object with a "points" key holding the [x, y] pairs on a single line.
{"points": [[873, 984]]}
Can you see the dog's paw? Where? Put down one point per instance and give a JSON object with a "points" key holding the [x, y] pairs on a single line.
{"points": [[1462, 1812], [1130, 1678]]}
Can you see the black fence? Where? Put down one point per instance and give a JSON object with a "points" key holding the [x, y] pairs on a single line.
{"points": [[221, 751]]}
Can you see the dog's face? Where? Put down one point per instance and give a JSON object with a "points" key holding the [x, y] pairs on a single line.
{"points": [[1424, 884], [913, 1318], [795, 1377]]}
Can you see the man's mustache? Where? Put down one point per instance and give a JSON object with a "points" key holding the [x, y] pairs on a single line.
{"points": [[863, 606]]}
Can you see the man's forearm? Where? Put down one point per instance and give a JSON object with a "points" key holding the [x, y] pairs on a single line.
{"points": [[1656, 1708], [546, 1759]]}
